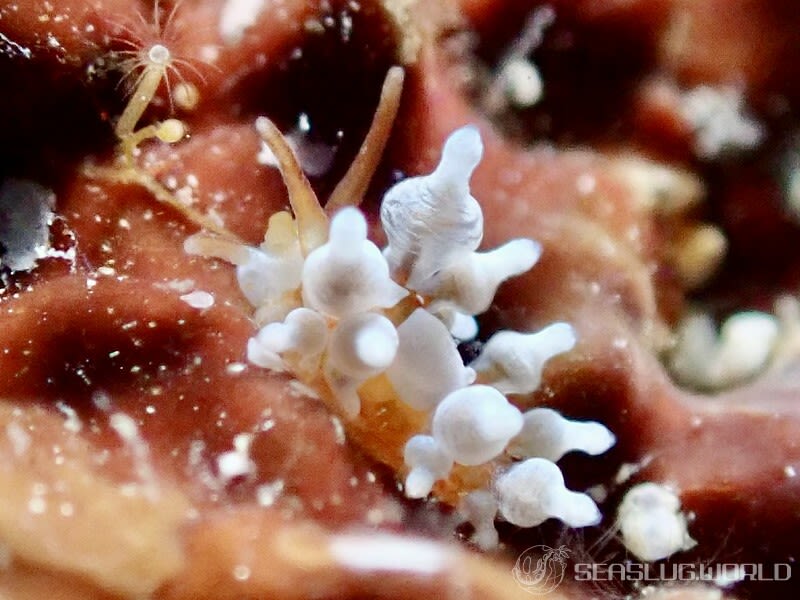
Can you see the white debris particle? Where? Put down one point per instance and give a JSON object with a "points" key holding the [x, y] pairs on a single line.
{"points": [[124, 224], [241, 572], [388, 552], [720, 122], [268, 493], [101, 400], [26, 212], [37, 505], [198, 299], [237, 16], [628, 470], [299, 390], [236, 463], [182, 286], [73, 422], [19, 438], [90, 283], [586, 184], [209, 54], [338, 430], [523, 83], [235, 368], [125, 427], [185, 196]]}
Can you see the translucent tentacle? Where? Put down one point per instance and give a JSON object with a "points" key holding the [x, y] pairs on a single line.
{"points": [[351, 189], [312, 223]]}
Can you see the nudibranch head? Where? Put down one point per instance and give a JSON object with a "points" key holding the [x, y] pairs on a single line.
{"points": [[348, 274], [372, 332]]}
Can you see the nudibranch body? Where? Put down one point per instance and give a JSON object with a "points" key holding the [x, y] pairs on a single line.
{"points": [[374, 334]]}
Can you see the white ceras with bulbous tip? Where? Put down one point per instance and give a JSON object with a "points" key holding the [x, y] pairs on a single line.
{"points": [[473, 425], [428, 463], [513, 362], [427, 366], [432, 220], [303, 333], [362, 346], [469, 284], [348, 274], [546, 434], [533, 491]]}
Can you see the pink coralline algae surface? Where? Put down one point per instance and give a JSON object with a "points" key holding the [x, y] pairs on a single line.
{"points": [[118, 397]]}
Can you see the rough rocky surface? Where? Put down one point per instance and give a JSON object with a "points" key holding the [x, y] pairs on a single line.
{"points": [[95, 508]]}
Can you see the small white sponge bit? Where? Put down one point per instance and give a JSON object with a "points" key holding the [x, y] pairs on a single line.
{"points": [[546, 434], [348, 274], [432, 221], [474, 424], [533, 491], [513, 361], [651, 522]]}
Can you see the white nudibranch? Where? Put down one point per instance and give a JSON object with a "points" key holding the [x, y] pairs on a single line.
{"points": [[364, 327]]}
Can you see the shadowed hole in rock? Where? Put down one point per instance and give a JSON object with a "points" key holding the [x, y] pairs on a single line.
{"points": [[327, 86], [589, 70]]}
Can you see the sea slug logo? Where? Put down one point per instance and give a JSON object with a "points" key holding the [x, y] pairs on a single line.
{"points": [[540, 569]]}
